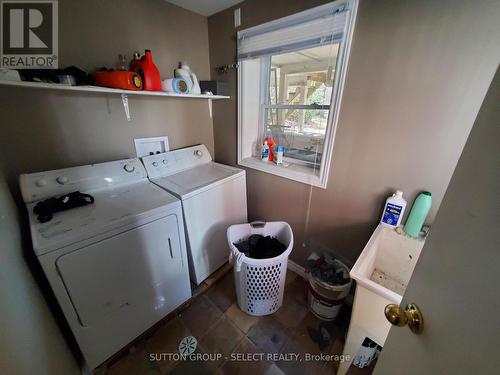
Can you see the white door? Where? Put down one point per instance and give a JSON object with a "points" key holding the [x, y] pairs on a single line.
{"points": [[140, 267], [129, 281], [457, 279]]}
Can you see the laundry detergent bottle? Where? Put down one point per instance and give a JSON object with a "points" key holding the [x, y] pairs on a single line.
{"points": [[184, 71], [196, 86], [418, 213], [150, 73], [393, 210]]}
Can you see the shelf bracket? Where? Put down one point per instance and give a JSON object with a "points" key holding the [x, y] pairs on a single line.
{"points": [[125, 106], [210, 107]]}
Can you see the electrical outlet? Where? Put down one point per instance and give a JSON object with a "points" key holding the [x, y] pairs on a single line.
{"points": [[151, 146]]}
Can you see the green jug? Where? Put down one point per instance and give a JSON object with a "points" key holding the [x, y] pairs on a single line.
{"points": [[418, 213]]}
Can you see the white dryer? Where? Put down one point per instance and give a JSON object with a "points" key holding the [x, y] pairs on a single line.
{"points": [[116, 266], [213, 198]]}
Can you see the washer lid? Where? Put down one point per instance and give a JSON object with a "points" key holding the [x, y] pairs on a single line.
{"points": [[113, 207], [196, 180]]}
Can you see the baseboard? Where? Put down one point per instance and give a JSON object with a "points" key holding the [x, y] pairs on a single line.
{"points": [[294, 267]]}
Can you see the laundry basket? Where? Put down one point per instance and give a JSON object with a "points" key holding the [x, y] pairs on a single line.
{"points": [[260, 283]]}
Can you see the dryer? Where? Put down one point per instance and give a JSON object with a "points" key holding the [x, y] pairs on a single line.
{"points": [[213, 198], [116, 266]]}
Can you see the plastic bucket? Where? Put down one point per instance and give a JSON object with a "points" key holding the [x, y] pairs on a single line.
{"points": [[325, 300], [260, 283]]}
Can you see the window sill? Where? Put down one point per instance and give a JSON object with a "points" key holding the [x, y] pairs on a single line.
{"points": [[295, 172]]}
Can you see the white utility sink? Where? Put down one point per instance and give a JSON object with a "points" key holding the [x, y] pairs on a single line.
{"points": [[382, 273], [386, 263]]}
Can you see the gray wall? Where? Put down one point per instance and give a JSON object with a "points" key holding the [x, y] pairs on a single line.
{"points": [[30, 341], [418, 73], [43, 130]]}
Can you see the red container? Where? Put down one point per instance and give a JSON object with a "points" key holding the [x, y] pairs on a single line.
{"points": [[149, 72], [271, 144], [118, 79]]}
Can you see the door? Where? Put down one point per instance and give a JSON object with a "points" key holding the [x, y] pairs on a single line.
{"points": [[138, 273], [456, 281]]}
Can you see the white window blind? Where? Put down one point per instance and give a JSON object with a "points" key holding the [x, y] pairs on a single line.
{"points": [[290, 79], [324, 25]]}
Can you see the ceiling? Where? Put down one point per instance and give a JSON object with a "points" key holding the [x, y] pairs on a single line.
{"points": [[205, 7]]}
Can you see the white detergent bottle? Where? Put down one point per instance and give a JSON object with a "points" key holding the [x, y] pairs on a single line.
{"points": [[393, 210], [196, 86], [180, 72], [185, 72]]}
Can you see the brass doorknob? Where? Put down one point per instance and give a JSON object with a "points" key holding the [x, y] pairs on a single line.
{"points": [[411, 315]]}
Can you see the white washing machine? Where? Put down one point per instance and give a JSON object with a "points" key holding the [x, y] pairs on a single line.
{"points": [[213, 197], [116, 266]]}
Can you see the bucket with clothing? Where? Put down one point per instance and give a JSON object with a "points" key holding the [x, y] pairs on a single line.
{"points": [[329, 285]]}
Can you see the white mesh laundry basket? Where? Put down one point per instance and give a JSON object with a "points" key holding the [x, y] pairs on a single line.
{"points": [[260, 283]]}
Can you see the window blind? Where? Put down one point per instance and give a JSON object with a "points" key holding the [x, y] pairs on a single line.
{"points": [[317, 27]]}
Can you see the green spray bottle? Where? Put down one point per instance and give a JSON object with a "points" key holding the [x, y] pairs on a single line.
{"points": [[418, 213]]}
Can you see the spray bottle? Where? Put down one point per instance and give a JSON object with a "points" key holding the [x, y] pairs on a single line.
{"points": [[271, 144]]}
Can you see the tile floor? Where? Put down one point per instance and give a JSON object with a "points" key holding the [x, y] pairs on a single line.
{"points": [[214, 318]]}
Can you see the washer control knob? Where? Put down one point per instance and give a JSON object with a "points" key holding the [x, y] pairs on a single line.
{"points": [[155, 164], [41, 183], [129, 168], [198, 153], [62, 180], [165, 161]]}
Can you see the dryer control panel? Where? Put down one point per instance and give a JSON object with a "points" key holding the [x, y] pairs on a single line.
{"points": [[43, 185], [172, 162]]}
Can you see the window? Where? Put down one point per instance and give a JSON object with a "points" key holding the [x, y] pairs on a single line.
{"points": [[290, 82]]}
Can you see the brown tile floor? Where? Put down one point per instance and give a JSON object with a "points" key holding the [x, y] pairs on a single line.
{"points": [[221, 327]]}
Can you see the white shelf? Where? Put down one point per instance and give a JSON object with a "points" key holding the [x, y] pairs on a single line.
{"points": [[105, 90]]}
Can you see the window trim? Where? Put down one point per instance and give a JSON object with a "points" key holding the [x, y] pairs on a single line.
{"points": [[294, 172]]}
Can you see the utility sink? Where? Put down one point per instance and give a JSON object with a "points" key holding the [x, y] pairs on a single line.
{"points": [[387, 262], [382, 273]]}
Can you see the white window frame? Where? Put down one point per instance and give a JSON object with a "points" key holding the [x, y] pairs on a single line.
{"points": [[298, 172]]}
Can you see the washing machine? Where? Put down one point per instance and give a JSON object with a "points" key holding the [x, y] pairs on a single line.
{"points": [[213, 197], [116, 266]]}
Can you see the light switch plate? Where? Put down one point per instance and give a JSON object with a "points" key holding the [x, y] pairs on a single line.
{"points": [[237, 17], [151, 146]]}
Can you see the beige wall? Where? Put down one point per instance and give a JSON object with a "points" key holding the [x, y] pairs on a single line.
{"points": [[418, 73], [30, 340], [43, 130]]}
